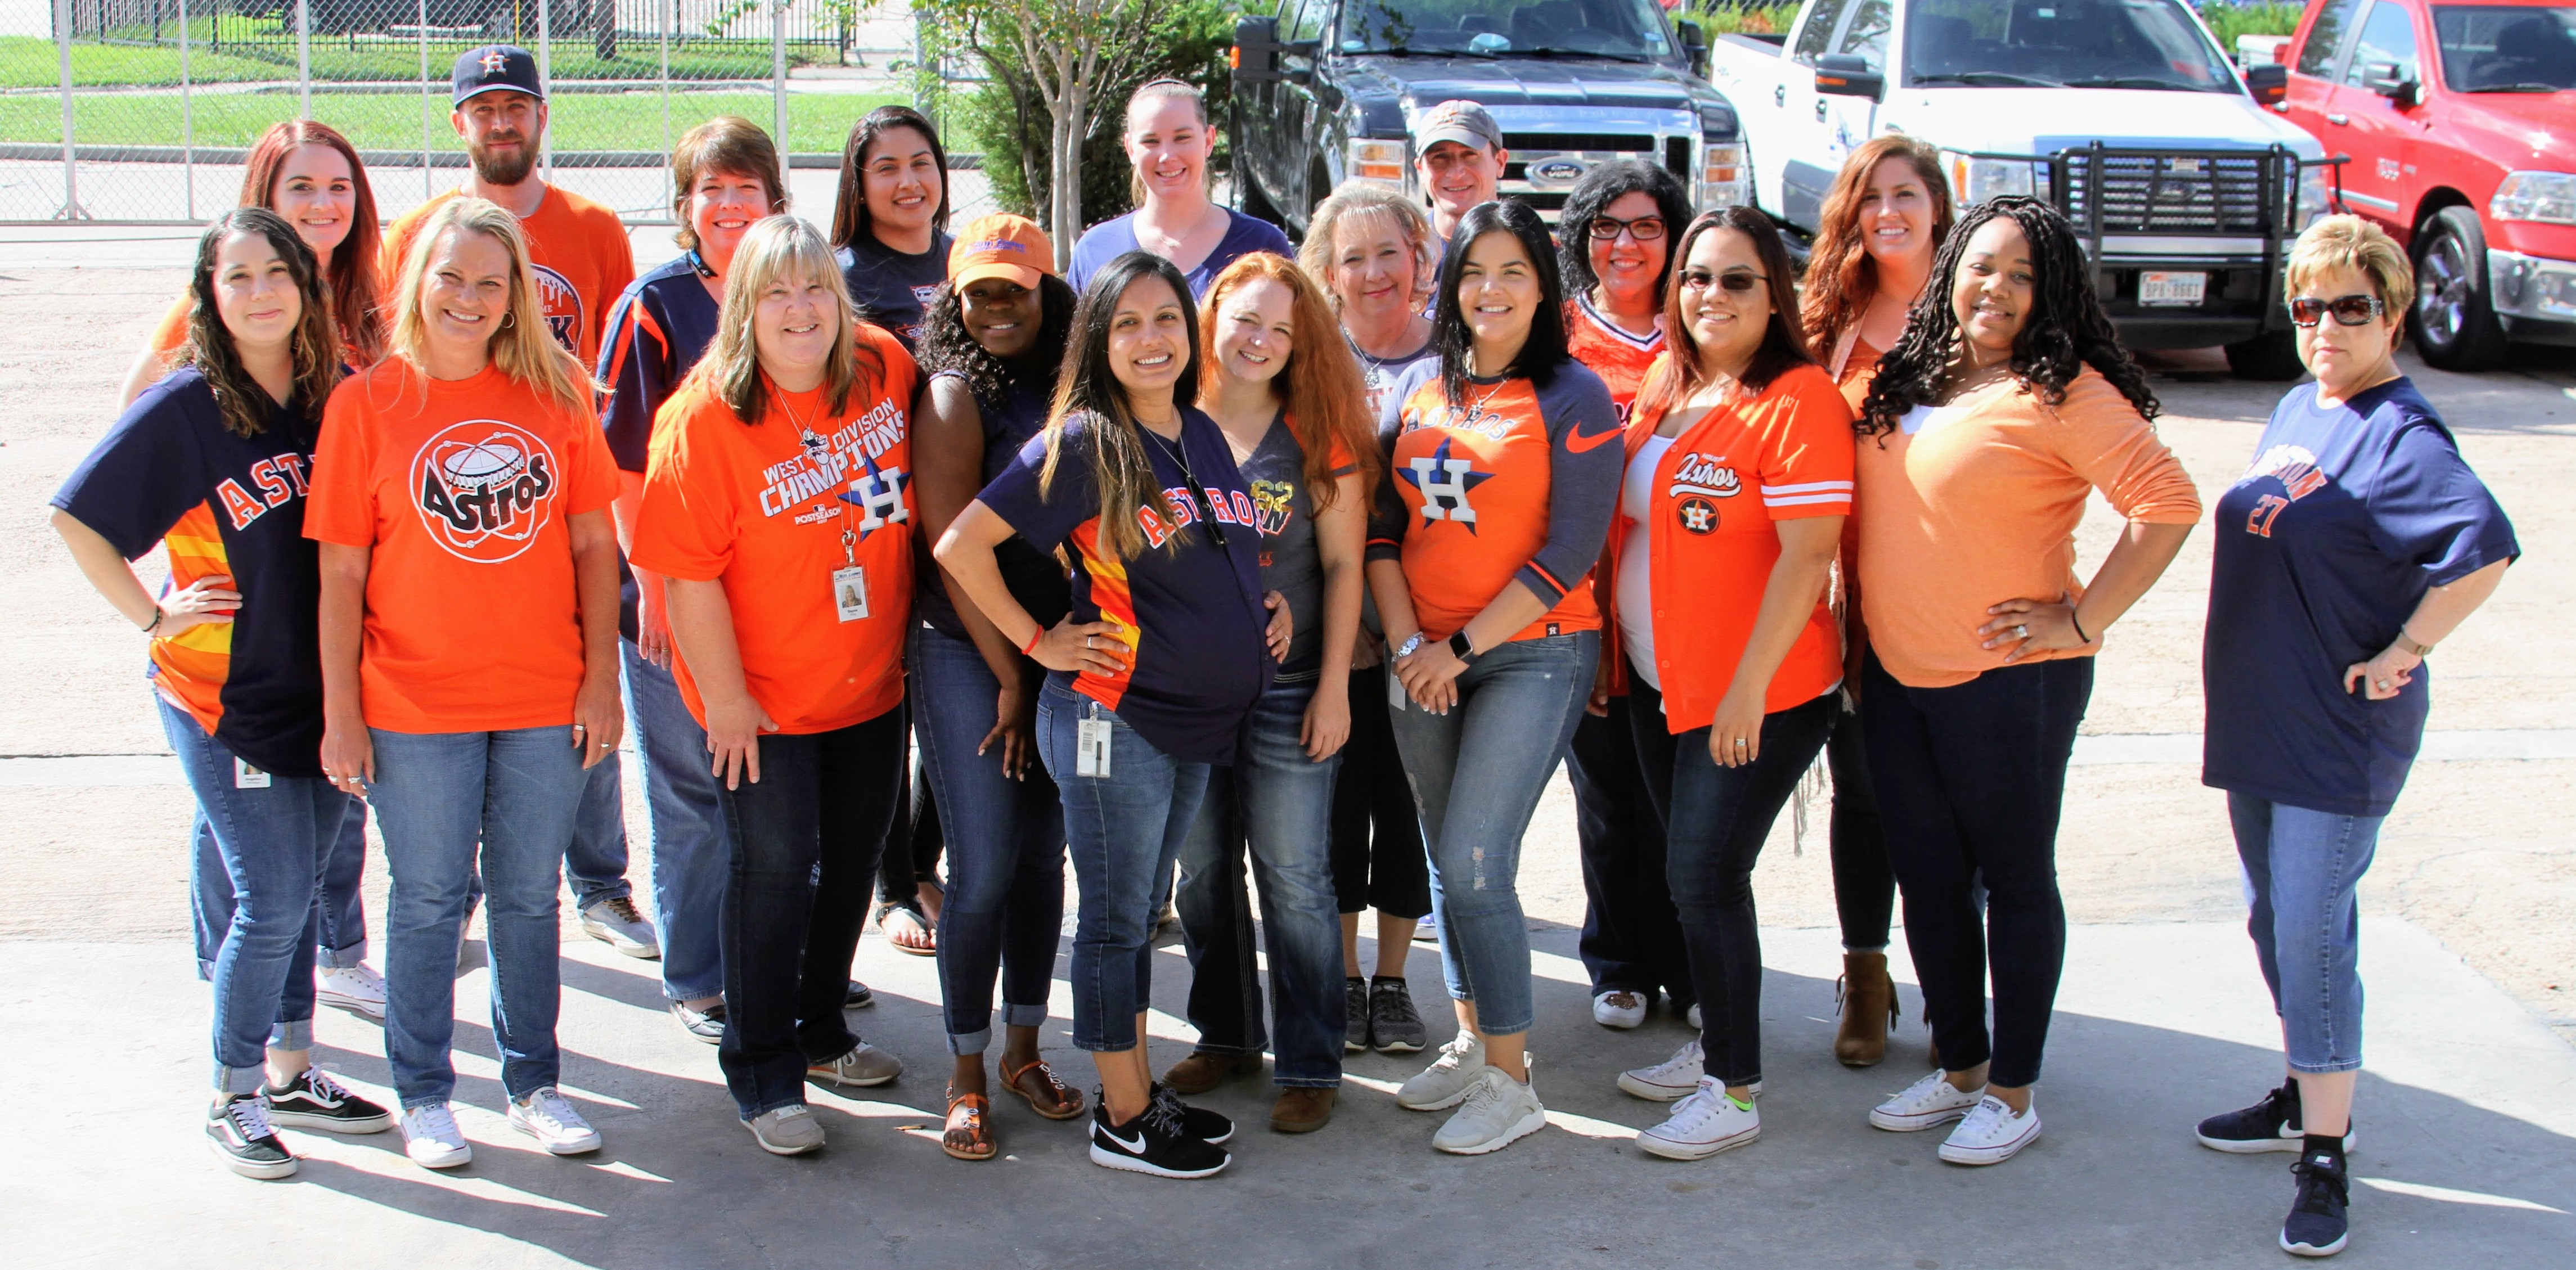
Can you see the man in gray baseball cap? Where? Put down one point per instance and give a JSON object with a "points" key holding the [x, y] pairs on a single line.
{"points": [[1459, 156]]}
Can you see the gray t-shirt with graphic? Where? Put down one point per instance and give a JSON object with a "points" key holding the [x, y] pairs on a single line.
{"points": [[1291, 564]]}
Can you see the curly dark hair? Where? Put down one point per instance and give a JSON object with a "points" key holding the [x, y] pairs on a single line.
{"points": [[946, 345], [1594, 194], [2064, 332]]}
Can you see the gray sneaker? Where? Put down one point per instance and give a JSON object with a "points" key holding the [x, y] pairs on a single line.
{"points": [[706, 1025], [1394, 1025], [618, 924], [864, 1065], [1498, 1111], [1449, 1076], [1355, 1015], [788, 1130]]}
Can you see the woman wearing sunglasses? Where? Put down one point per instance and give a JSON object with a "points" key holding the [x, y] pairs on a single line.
{"points": [[2356, 541]]}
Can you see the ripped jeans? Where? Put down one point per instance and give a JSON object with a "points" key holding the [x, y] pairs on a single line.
{"points": [[1477, 773]]}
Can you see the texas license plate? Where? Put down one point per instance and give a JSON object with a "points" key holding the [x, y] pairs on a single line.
{"points": [[2161, 287]]}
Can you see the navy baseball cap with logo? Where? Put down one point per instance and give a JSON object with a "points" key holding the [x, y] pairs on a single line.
{"points": [[495, 67]]}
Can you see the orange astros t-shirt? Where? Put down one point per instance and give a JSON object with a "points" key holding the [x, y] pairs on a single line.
{"points": [[763, 509], [465, 490], [583, 262]]}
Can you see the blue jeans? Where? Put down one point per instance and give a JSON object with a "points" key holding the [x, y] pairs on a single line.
{"points": [[1280, 803], [805, 842], [596, 864], [1005, 844], [343, 936], [1123, 832], [2302, 871], [1487, 761], [691, 854], [454, 806], [273, 843]]}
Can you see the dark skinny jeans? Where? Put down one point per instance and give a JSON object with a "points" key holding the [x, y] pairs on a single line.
{"points": [[1864, 887]]}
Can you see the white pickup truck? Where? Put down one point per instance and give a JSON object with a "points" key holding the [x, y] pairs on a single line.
{"points": [[2122, 113]]}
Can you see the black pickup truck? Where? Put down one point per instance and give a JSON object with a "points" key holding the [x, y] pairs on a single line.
{"points": [[1327, 90]]}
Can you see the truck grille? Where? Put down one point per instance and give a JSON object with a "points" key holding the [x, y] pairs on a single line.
{"points": [[1545, 165], [2218, 193]]}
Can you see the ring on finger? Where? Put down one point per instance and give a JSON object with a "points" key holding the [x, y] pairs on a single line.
{"points": [[2021, 632]]}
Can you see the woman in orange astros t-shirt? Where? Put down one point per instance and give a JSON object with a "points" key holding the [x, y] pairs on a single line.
{"points": [[2006, 404], [778, 509], [1886, 215], [469, 650], [1739, 474]]}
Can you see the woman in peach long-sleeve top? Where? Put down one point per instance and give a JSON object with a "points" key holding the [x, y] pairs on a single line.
{"points": [[2006, 402]]}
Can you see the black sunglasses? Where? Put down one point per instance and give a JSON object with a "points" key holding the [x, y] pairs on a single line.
{"points": [[2348, 310], [1735, 280]]}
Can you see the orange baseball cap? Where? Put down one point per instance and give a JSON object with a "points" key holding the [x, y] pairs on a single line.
{"points": [[1001, 246]]}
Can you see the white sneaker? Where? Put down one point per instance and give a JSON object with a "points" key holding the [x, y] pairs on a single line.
{"points": [[789, 1130], [431, 1138], [1991, 1134], [1498, 1111], [1703, 1124], [618, 924], [351, 988], [1451, 1074], [1694, 1016], [1621, 1010], [1925, 1103], [1668, 1080], [548, 1116]]}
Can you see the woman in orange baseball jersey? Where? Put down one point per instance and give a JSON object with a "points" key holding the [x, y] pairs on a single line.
{"points": [[469, 650], [1739, 475], [1505, 468], [777, 507], [2005, 405]]}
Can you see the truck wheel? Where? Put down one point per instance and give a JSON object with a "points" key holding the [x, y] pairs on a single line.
{"points": [[2271, 357], [2455, 325], [1248, 198]]}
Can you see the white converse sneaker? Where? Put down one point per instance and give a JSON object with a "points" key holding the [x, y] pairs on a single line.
{"points": [[1925, 1103], [351, 988], [620, 925], [1991, 1134], [1703, 1124], [1674, 1078], [431, 1138], [1497, 1111], [548, 1116], [1622, 1009], [1449, 1076]]}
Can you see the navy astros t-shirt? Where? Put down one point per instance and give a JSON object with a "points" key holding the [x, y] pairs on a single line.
{"points": [[659, 329], [893, 289], [1193, 615], [2346, 517]]}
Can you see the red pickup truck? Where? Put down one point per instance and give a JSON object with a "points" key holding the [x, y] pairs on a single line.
{"points": [[2461, 123]]}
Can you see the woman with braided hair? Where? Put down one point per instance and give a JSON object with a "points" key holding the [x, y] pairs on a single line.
{"points": [[2006, 402]]}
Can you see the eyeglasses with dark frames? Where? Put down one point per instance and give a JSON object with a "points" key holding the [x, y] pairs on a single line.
{"points": [[1644, 229]]}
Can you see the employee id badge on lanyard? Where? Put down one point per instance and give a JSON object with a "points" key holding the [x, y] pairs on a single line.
{"points": [[1091, 743], [246, 776], [850, 581]]}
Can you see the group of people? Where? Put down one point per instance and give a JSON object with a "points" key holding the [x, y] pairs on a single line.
{"points": [[1206, 565]]}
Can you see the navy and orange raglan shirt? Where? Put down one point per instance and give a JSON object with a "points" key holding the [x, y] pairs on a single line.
{"points": [[661, 325], [1516, 484], [1192, 617], [227, 505]]}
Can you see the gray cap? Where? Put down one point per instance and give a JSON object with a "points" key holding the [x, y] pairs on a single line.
{"points": [[1464, 122]]}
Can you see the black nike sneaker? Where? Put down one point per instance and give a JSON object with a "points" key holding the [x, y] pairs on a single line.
{"points": [[2273, 1124], [1207, 1126], [315, 1101], [238, 1132], [2316, 1226], [1153, 1143]]}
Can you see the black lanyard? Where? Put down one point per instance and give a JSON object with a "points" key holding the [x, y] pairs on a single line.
{"points": [[1203, 501]]}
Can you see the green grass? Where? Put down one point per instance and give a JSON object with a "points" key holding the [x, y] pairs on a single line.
{"points": [[816, 122], [30, 62]]}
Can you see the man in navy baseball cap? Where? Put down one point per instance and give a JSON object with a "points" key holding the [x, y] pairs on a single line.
{"points": [[495, 67]]}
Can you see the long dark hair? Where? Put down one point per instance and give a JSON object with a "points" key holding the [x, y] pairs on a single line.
{"points": [[1593, 195], [946, 345], [1122, 467], [1784, 341], [850, 204], [2064, 332], [357, 293], [1540, 357], [315, 353]]}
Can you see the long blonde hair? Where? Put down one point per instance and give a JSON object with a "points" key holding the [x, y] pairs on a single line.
{"points": [[778, 247], [523, 348]]}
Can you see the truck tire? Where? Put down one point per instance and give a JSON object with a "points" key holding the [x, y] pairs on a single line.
{"points": [[2454, 323], [2272, 357], [1248, 198]]}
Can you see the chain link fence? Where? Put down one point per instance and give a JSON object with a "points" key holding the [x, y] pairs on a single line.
{"points": [[140, 111]]}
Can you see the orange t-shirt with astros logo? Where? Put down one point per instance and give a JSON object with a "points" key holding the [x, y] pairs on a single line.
{"points": [[464, 490], [582, 258], [763, 509]]}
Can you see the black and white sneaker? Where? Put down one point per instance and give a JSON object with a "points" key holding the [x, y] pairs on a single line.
{"points": [[1154, 1143], [2316, 1226], [1207, 1126], [238, 1132], [2273, 1124], [1395, 1027], [1355, 1015], [315, 1101]]}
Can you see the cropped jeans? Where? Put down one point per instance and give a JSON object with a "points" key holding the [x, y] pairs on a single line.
{"points": [[1279, 803], [1123, 832], [1004, 909], [1378, 860], [2302, 871], [1477, 774], [691, 851]]}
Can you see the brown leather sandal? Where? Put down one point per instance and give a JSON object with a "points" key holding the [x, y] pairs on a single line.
{"points": [[967, 1136], [1060, 1095]]}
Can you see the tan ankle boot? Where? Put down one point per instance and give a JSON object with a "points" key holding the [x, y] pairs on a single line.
{"points": [[1869, 1010]]}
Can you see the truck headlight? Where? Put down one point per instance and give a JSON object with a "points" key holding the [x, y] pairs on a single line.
{"points": [[2549, 197], [2315, 195], [1721, 174], [1974, 180], [1376, 160]]}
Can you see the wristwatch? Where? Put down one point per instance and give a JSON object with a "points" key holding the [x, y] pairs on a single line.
{"points": [[1466, 652], [1405, 649]]}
